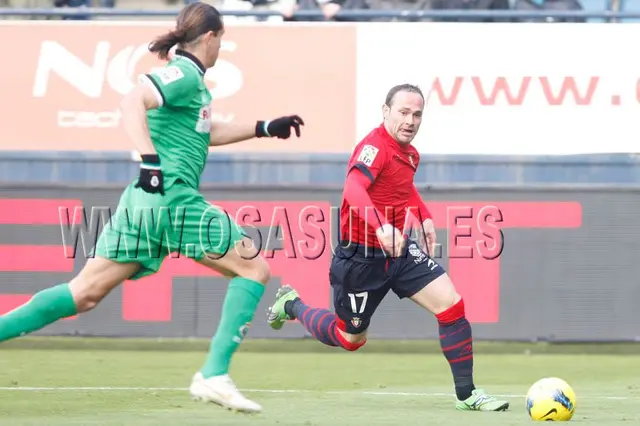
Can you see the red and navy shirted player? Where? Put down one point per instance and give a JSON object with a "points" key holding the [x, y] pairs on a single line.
{"points": [[374, 255]]}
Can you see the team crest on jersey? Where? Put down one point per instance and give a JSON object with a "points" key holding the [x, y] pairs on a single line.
{"points": [[169, 74], [368, 155], [411, 160], [204, 120], [355, 321], [418, 255]]}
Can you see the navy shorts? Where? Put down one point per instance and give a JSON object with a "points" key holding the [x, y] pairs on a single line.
{"points": [[361, 280]]}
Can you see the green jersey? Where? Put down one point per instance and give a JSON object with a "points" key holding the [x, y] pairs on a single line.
{"points": [[180, 130], [180, 127]]}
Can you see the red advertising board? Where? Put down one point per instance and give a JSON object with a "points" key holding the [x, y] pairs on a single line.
{"points": [[72, 78], [475, 242]]}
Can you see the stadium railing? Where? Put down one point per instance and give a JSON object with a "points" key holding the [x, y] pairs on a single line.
{"points": [[401, 15]]}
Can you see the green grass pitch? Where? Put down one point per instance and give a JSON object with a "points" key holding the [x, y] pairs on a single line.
{"points": [[298, 383]]}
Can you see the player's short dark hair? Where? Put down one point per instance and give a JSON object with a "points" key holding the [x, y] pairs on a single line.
{"points": [[194, 20], [411, 88]]}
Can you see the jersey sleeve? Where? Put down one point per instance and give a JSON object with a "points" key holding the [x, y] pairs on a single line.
{"points": [[357, 195], [370, 158], [173, 86]]}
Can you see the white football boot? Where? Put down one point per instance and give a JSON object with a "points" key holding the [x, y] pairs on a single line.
{"points": [[222, 391]]}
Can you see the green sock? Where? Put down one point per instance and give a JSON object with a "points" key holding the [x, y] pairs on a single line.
{"points": [[42, 309], [239, 306]]}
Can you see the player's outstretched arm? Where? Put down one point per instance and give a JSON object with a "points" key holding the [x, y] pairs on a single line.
{"points": [[228, 133], [134, 107]]}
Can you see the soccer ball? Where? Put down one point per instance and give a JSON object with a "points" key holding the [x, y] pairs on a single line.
{"points": [[551, 399]]}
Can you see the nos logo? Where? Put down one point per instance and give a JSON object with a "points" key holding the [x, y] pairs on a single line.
{"points": [[119, 69]]}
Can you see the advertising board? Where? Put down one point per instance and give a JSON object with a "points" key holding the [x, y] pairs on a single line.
{"points": [[491, 89]]}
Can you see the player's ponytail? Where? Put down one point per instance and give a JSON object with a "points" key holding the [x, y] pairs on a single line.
{"points": [[163, 44], [194, 20]]}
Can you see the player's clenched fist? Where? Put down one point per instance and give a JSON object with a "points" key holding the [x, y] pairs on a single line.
{"points": [[280, 127], [391, 240], [151, 179]]}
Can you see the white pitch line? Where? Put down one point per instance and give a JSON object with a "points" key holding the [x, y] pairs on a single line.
{"points": [[373, 393], [87, 388]]}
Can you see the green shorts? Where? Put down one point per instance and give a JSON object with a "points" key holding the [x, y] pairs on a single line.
{"points": [[146, 228]]}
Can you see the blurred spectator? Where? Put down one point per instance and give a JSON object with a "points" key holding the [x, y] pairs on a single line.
{"points": [[329, 8], [390, 5], [266, 5], [83, 3], [470, 5], [554, 5], [216, 3], [465, 5], [86, 3]]}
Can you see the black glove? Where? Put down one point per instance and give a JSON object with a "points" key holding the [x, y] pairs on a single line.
{"points": [[279, 128], [151, 179]]}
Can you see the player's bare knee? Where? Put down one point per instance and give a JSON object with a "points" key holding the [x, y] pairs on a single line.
{"points": [[456, 297], [352, 342], [87, 292], [437, 296], [247, 263], [447, 301], [260, 273], [96, 280], [256, 270], [354, 346]]}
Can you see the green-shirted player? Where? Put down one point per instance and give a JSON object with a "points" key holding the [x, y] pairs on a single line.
{"points": [[168, 118]]}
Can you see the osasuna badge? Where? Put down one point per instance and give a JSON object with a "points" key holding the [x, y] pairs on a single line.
{"points": [[356, 322], [418, 255], [411, 160]]}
